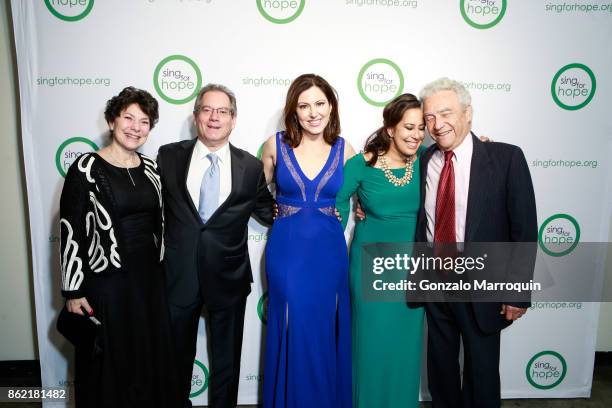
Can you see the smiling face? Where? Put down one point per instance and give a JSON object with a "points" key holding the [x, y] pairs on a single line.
{"points": [[214, 120], [407, 135], [131, 128], [313, 111], [448, 122]]}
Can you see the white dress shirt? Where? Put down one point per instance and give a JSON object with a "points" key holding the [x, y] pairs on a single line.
{"points": [[462, 161], [200, 163]]}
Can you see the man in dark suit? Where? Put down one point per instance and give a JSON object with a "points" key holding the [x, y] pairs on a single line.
{"points": [[470, 192], [210, 190]]}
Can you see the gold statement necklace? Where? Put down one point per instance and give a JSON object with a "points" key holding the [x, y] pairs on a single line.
{"points": [[398, 182]]}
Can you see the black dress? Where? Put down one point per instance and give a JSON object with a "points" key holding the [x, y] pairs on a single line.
{"points": [[136, 366]]}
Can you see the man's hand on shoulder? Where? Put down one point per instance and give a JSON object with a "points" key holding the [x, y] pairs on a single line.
{"points": [[512, 313]]}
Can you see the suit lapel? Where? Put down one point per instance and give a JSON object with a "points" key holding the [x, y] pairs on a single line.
{"points": [[422, 227], [424, 162], [183, 163], [237, 166], [480, 178]]}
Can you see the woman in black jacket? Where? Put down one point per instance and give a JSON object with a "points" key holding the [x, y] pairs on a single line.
{"points": [[111, 223]]}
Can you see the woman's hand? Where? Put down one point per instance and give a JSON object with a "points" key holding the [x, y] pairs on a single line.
{"points": [[75, 305], [359, 213]]}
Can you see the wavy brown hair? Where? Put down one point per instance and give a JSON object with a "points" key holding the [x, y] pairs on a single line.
{"points": [[379, 142], [147, 103], [293, 133]]}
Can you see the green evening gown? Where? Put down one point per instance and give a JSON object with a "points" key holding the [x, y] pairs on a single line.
{"points": [[386, 336]]}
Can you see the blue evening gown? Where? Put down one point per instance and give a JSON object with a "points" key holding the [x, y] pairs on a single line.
{"points": [[308, 350]]}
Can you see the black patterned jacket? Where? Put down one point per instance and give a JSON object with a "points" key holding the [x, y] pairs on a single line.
{"points": [[89, 243]]}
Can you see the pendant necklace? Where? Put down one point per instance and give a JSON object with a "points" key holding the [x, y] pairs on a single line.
{"points": [[130, 174], [126, 167]]}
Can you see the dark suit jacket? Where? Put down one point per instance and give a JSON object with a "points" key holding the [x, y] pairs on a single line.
{"points": [[210, 259], [501, 208]]}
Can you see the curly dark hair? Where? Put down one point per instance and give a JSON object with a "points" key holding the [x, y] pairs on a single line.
{"points": [[293, 135], [379, 142], [129, 95]]}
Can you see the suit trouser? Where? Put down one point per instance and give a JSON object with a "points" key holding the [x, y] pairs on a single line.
{"points": [[446, 324], [225, 346]]}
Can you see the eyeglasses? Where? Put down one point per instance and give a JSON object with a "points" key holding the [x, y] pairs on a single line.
{"points": [[209, 110]]}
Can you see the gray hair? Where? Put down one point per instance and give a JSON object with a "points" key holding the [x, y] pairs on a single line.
{"points": [[218, 88], [446, 84]]}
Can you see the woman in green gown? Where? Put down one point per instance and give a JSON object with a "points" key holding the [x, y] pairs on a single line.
{"points": [[386, 336]]}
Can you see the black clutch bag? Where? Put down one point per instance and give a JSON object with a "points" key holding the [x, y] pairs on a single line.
{"points": [[79, 330]]}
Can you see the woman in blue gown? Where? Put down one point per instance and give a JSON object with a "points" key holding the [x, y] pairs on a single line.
{"points": [[308, 351]]}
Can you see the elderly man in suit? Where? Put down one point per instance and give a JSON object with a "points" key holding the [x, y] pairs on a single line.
{"points": [[210, 189], [471, 192]]}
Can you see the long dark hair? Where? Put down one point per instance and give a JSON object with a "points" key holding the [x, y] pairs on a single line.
{"points": [[379, 142], [293, 134]]}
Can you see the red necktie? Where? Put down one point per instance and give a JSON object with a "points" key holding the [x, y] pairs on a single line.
{"points": [[445, 202]]}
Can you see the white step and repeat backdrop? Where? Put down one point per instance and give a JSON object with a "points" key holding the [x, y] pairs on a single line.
{"points": [[539, 73]]}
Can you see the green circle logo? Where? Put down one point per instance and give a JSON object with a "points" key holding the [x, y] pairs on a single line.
{"points": [[262, 308], [177, 79], [546, 370], [280, 11], [559, 235], [573, 86], [483, 14], [379, 81], [70, 10], [70, 150], [260, 150], [199, 379]]}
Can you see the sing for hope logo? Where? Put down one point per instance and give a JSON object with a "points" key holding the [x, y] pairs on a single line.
{"points": [[177, 79], [573, 86], [379, 81], [70, 150], [262, 308], [280, 11], [483, 14], [70, 10], [546, 370], [559, 235], [199, 379]]}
